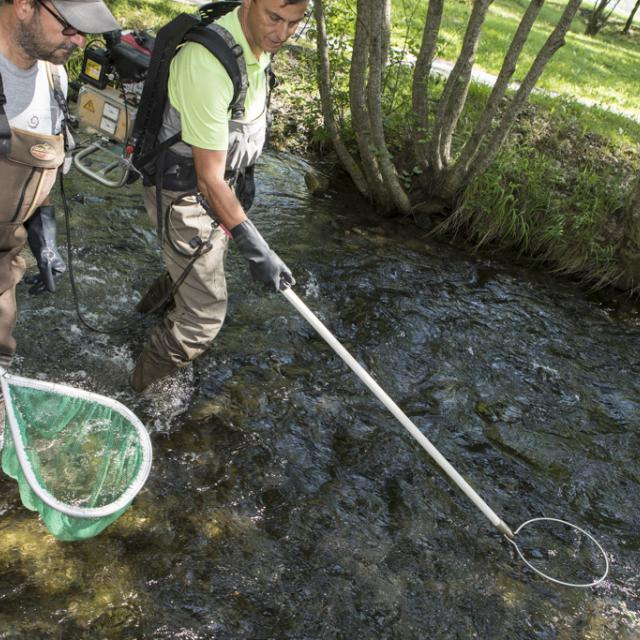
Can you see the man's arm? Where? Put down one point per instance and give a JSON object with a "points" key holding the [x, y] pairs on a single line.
{"points": [[264, 264], [210, 169]]}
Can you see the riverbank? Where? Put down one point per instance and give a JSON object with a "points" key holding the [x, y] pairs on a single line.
{"points": [[553, 196]]}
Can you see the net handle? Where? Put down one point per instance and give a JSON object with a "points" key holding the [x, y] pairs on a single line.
{"points": [[424, 442], [375, 388], [76, 512]]}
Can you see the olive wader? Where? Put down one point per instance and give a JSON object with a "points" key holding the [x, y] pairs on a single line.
{"points": [[200, 303]]}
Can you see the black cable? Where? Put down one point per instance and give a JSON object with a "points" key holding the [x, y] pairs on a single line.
{"points": [[302, 29], [203, 247]]}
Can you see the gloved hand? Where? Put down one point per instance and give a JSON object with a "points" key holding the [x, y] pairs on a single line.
{"points": [[41, 236], [264, 264]]}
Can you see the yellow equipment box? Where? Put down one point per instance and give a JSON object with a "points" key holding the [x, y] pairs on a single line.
{"points": [[104, 110]]}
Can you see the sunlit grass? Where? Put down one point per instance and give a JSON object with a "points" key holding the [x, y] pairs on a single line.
{"points": [[605, 68], [147, 14]]}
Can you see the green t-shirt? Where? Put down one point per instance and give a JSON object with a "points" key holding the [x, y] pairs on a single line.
{"points": [[200, 89]]}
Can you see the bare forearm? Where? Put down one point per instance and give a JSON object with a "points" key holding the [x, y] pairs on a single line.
{"points": [[226, 207]]}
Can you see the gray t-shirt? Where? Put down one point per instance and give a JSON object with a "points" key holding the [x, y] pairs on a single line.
{"points": [[31, 105]]}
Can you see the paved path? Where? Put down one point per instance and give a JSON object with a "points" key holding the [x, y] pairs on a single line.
{"points": [[443, 68]]}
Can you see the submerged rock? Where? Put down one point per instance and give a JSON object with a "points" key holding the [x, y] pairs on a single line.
{"points": [[317, 183]]}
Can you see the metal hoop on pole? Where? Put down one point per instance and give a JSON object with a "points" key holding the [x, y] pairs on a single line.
{"points": [[582, 585]]}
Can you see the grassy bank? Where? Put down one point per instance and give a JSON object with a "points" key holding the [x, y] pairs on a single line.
{"points": [[557, 190]]}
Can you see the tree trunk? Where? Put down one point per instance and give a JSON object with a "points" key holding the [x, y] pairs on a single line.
{"points": [[455, 90], [379, 48], [420, 88], [324, 81], [632, 15], [472, 148], [359, 110], [377, 176]]}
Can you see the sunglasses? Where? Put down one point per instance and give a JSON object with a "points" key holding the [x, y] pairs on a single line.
{"points": [[67, 29]]}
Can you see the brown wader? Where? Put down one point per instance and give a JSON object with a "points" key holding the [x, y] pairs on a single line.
{"points": [[26, 178]]}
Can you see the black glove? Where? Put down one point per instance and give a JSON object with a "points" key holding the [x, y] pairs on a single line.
{"points": [[264, 264], [41, 236]]}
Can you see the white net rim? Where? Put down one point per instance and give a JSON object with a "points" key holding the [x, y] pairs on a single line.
{"points": [[579, 585], [76, 512]]}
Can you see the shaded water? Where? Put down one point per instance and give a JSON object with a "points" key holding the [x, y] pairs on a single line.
{"points": [[284, 500]]}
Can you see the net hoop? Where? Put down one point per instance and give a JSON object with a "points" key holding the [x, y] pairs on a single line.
{"points": [[551, 578], [76, 512]]}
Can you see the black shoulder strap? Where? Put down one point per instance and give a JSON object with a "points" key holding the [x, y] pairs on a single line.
{"points": [[61, 101], [152, 101], [5, 129], [184, 28], [220, 43]]}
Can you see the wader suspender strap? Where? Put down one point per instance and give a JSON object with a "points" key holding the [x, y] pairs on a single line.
{"points": [[272, 83], [56, 85], [5, 129]]}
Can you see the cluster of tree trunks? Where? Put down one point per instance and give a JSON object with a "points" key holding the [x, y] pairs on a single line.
{"points": [[601, 13], [445, 173]]}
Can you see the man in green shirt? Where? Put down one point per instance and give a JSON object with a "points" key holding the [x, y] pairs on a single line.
{"points": [[207, 182]]}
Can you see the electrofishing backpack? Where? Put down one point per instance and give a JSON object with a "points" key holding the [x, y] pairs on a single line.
{"points": [[144, 147]]}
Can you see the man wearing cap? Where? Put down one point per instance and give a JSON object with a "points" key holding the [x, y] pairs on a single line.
{"points": [[36, 38]]}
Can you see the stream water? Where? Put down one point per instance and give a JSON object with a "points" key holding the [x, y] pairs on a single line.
{"points": [[284, 500]]}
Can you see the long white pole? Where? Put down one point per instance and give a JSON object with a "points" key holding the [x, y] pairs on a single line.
{"points": [[424, 442]]}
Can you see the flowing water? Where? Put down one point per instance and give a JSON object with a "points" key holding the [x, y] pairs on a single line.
{"points": [[284, 500]]}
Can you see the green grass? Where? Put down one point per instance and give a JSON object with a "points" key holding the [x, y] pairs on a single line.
{"points": [[147, 14], [605, 68], [557, 190]]}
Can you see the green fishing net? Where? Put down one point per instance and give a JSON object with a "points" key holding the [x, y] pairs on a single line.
{"points": [[79, 458]]}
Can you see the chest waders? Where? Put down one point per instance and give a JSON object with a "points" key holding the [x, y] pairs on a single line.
{"points": [[29, 163]]}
